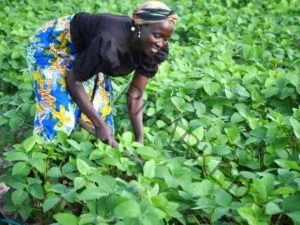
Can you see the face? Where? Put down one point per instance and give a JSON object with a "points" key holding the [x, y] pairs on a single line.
{"points": [[155, 36]]}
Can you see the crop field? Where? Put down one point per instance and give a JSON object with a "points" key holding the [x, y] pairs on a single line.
{"points": [[221, 122]]}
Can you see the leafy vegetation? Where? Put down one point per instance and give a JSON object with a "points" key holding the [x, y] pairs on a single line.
{"points": [[231, 80]]}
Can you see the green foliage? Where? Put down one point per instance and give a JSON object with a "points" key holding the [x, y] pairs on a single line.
{"points": [[230, 88]]}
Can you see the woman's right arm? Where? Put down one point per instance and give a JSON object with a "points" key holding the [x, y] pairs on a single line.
{"points": [[80, 96]]}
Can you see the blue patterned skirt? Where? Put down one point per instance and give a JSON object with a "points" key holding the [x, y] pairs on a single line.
{"points": [[50, 56]]}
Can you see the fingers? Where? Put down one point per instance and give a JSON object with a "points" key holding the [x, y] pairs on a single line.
{"points": [[115, 144], [112, 142], [107, 137], [109, 141]]}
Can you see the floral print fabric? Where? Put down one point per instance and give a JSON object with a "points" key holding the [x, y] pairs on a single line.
{"points": [[50, 56]]}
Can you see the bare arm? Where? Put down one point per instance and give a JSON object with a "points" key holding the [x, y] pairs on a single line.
{"points": [[80, 96], [134, 103]]}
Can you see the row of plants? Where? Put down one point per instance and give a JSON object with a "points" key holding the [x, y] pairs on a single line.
{"points": [[230, 89]]}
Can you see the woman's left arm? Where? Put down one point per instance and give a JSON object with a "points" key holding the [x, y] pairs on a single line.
{"points": [[134, 104]]}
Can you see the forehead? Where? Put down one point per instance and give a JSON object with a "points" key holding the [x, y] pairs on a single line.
{"points": [[166, 27]]}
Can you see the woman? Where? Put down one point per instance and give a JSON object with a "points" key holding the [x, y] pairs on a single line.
{"points": [[72, 59]]}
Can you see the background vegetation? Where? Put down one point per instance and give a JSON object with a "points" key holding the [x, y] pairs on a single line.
{"points": [[232, 80]]}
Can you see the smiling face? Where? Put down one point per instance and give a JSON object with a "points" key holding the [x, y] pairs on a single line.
{"points": [[155, 36]]}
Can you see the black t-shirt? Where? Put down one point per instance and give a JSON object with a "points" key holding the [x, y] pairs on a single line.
{"points": [[102, 41]]}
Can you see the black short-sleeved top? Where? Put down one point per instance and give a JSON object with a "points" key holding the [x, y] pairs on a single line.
{"points": [[102, 41]]}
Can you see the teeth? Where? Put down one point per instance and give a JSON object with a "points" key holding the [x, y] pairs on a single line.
{"points": [[154, 50]]}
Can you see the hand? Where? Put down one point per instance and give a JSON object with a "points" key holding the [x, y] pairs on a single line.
{"points": [[104, 134], [140, 139]]}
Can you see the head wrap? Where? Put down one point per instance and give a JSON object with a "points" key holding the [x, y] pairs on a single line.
{"points": [[153, 12]]}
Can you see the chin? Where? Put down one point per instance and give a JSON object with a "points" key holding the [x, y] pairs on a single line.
{"points": [[148, 53]]}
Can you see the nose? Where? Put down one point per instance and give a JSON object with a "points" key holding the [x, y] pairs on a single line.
{"points": [[159, 43]]}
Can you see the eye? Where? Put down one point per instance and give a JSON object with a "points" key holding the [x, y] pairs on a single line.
{"points": [[157, 35]]}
